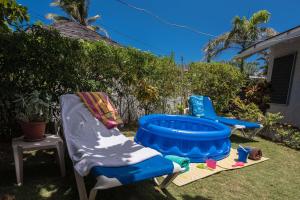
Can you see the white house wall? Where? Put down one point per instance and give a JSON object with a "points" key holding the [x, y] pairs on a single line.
{"points": [[292, 110]]}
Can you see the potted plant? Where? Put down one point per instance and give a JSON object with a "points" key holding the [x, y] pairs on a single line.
{"points": [[32, 112]]}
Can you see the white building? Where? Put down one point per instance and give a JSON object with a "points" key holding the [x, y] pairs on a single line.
{"points": [[283, 72]]}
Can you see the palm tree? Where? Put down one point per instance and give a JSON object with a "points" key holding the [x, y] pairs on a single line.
{"points": [[245, 32], [77, 11]]}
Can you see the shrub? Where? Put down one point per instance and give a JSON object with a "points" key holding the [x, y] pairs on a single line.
{"points": [[287, 135], [257, 92], [241, 110], [270, 121], [43, 60], [222, 82]]}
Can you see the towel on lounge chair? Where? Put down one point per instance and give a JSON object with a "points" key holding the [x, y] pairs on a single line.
{"points": [[181, 161], [196, 106], [101, 107], [108, 155], [91, 144]]}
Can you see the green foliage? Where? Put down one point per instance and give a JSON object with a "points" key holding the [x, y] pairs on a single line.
{"points": [[76, 10], [12, 14], [283, 133], [245, 111], [244, 32], [222, 82], [287, 135], [33, 107], [250, 68], [271, 119], [257, 92], [180, 109], [44, 61]]}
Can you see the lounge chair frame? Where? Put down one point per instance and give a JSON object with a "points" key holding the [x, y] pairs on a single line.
{"points": [[237, 128], [83, 195], [93, 192], [242, 128]]}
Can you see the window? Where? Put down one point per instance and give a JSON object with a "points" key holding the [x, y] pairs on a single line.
{"points": [[282, 77]]}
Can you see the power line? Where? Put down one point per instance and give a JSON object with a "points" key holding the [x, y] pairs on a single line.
{"points": [[130, 37], [38, 16], [167, 22], [162, 20]]}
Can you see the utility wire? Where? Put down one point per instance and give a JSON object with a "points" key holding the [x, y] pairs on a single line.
{"points": [[38, 16], [130, 37], [162, 20], [167, 22]]}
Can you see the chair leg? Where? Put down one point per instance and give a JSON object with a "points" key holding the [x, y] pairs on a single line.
{"points": [[80, 186], [61, 158], [256, 132], [234, 130], [18, 158], [168, 180], [244, 133], [156, 182], [93, 194]]}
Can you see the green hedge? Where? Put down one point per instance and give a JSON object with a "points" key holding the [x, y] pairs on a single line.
{"points": [[221, 82], [43, 60], [138, 82]]}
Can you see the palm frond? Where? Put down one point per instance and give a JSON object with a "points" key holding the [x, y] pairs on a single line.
{"points": [[55, 3], [216, 46], [98, 29], [91, 20], [56, 17], [262, 16]]}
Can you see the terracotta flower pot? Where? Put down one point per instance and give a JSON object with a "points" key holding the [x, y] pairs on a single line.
{"points": [[33, 130]]}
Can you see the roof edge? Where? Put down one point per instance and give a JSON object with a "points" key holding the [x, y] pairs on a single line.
{"points": [[267, 43]]}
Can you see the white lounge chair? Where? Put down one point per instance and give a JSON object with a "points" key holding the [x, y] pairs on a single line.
{"points": [[107, 154]]}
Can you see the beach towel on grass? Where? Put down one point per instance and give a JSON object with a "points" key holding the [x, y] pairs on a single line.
{"points": [[101, 108]]}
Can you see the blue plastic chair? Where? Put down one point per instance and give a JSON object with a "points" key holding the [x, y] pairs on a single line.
{"points": [[209, 113]]}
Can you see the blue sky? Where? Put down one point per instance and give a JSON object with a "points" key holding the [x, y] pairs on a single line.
{"points": [[133, 28]]}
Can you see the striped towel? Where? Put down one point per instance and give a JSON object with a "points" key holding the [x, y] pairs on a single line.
{"points": [[101, 108]]}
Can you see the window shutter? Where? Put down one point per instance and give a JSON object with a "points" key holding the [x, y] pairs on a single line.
{"points": [[282, 77]]}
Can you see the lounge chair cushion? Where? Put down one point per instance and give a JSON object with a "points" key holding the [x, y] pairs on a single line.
{"points": [[153, 167], [196, 105], [236, 122], [209, 113]]}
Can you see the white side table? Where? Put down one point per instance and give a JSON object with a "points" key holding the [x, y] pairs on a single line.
{"points": [[50, 142]]}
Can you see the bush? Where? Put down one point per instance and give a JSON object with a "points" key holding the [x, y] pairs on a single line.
{"points": [[287, 135], [222, 82], [257, 92], [42, 60], [241, 110]]}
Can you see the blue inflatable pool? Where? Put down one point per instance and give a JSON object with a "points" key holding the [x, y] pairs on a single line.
{"points": [[196, 138]]}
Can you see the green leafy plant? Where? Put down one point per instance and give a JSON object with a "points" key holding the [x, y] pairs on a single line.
{"points": [[12, 14], [245, 111], [180, 108], [43, 60], [243, 34], [222, 82], [257, 92], [33, 107], [270, 120]]}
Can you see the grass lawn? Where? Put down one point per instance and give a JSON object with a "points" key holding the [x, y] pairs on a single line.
{"points": [[277, 178]]}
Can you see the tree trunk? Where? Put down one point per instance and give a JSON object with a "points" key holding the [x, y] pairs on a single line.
{"points": [[242, 65]]}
